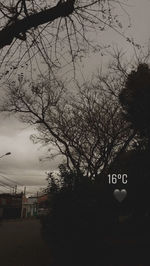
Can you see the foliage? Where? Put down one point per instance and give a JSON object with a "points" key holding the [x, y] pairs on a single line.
{"points": [[135, 163], [135, 100], [78, 220], [82, 217]]}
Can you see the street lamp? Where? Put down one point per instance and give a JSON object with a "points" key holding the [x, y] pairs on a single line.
{"points": [[7, 153]]}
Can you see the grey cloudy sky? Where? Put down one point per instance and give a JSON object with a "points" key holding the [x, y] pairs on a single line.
{"points": [[23, 165]]}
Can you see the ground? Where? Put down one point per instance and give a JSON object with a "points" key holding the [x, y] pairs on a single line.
{"points": [[21, 244]]}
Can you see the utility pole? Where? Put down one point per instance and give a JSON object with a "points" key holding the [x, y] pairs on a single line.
{"points": [[24, 191], [15, 192]]}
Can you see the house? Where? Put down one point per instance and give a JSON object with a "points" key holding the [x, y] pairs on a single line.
{"points": [[32, 206], [29, 207], [10, 205], [43, 205], [43, 201]]}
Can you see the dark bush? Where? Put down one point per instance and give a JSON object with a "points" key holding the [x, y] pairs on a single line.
{"points": [[78, 221]]}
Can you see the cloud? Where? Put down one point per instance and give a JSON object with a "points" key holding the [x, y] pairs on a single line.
{"points": [[23, 165], [9, 125]]}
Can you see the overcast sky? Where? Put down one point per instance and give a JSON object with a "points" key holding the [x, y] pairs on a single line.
{"points": [[23, 164]]}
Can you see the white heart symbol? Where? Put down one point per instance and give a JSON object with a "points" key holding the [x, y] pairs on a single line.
{"points": [[120, 194]]}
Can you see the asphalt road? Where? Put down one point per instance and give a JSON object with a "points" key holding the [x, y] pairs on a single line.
{"points": [[21, 244]]}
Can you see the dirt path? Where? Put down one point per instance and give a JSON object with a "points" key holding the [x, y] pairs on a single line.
{"points": [[21, 244]]}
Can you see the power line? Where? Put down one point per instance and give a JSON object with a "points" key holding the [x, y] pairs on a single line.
{"points": [[14, 184], [5, 190], [5, 177], [5, 185]]}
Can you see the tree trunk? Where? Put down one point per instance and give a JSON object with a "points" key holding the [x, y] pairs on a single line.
{"points": [[19, 27]]}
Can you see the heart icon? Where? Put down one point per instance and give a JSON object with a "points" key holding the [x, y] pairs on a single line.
{"points": [[120, 194]]}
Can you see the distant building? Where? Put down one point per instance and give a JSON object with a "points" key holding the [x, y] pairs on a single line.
{"points": [[32, 206], [19, 206], [43, 205], [43, 201], [29, 207], [10, 205]]}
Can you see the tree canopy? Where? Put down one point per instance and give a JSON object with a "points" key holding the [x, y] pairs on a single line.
{"points": [[86, 127], [59, 32], [135, 99]]}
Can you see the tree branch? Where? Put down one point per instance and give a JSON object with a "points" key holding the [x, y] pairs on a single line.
{"points": [[13, 30]]}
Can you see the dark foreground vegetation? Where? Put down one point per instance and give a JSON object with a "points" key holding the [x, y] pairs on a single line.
{"points": [[86, 225], [100, 129]]}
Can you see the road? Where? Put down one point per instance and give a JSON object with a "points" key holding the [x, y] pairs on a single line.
{"points": [[21, 244]]}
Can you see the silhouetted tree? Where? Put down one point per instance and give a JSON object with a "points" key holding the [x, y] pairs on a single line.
{"points": [[86, 127], [80, 215], [55, 30], [135, 100]]}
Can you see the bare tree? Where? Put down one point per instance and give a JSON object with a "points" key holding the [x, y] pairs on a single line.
{"points": [[86, 127], [57, 31]]}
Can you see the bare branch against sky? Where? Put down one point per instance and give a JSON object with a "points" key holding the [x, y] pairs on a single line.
{"points": [[58, 31], [67, 40]]}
